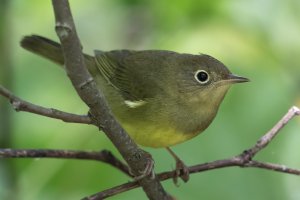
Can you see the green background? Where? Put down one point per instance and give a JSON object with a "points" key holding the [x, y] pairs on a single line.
{"points": [[258, 39]]}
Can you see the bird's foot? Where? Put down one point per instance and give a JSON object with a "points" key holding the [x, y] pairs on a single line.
{"points": [[181, 171], [148, 171]]}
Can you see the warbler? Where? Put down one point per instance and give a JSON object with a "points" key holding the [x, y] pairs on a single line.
{"points": [[161, 98]]}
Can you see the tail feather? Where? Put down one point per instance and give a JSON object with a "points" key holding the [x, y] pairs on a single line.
{"points": [[52, 50], [43, 47]]}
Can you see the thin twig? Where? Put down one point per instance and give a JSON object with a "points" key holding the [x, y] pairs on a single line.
{"points": [[275, 167], [266, 139], [242, 160], [22, 105], [103, 156]]}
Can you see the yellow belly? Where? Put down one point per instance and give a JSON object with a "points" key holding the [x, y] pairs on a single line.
{"points": [[156, 137]]}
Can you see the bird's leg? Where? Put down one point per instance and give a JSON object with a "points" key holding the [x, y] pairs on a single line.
{"points": [[182, 170], [147, 170]]}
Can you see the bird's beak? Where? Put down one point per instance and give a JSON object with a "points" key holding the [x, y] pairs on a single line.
{"points": [[232, 78]]}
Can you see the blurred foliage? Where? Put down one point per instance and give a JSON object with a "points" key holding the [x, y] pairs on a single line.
{"points": [[7, 172], [259, 39]]}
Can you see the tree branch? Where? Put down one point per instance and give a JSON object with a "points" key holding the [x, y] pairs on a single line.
{"points": [[231, 162], [137, 159], [21, 105], [103, 156], [266, 139], [242, 160]]}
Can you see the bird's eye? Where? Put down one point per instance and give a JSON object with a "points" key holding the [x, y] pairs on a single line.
{"points": [[202, 76]]}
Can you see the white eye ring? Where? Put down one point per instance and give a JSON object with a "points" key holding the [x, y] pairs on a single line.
{"points": [[201, 76]]}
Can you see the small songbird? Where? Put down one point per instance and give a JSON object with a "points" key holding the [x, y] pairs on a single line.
{"points": [[161, 98]]}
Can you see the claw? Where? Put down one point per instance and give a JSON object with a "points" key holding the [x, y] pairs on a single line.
{"points": [[147, 171], [149, 166], [181, 170]]}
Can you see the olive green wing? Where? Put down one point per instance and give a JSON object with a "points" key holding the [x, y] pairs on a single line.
{"points": [[127, 71]]}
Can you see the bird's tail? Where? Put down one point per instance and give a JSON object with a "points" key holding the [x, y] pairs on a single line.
{"points": [[48, 49]]}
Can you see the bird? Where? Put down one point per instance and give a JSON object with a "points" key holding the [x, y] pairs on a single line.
{"points": [[161, 98]]}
